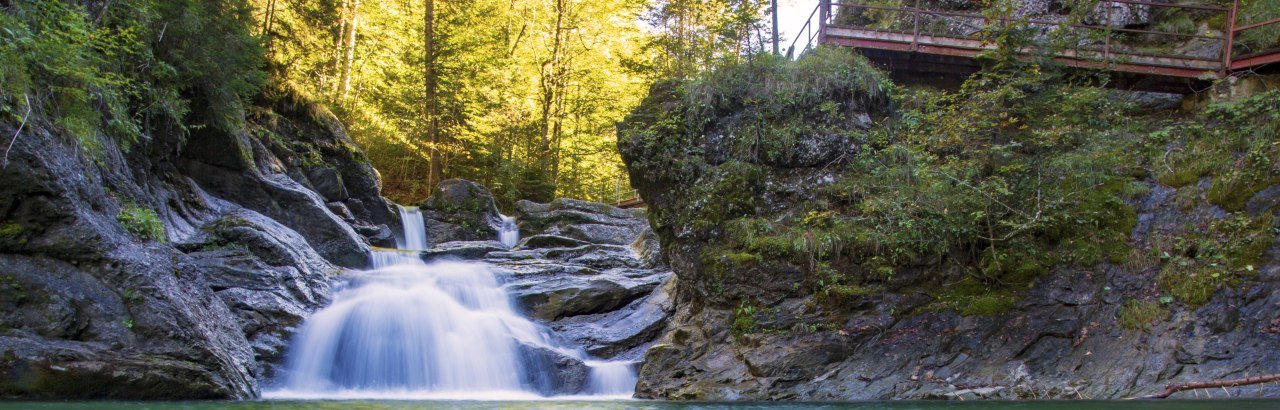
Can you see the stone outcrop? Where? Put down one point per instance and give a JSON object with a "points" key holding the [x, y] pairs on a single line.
{"points": [[758, 330], [177, 268]]}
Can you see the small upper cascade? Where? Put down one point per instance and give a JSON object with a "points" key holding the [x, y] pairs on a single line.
{"points": [[415, 231], [508, 231]]}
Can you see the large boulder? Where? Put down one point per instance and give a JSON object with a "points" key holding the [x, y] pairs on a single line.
{"points": [[591, 222], [598, 287], [296, 165], [553, 373], [460, 210], [612, 335]]}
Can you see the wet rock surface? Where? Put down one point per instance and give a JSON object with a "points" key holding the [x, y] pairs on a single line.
{"points": [[231, 239], [578, 271], [590, 222]]}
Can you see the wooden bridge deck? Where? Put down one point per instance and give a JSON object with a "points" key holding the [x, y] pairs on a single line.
{"points": [[634, 202], [910, 51]]}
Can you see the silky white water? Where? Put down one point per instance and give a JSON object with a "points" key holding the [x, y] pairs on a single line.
{"points": [[508, 231], [614, 378], [415, 231], [409, 329]]}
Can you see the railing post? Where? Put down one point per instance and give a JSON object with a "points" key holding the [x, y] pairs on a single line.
{"points": [[1106, 47], [1230, 44], [915, 30], [824, 10]]}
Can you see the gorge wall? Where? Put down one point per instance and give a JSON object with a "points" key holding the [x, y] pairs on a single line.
{"points": [[176, 269], [831, 241]]}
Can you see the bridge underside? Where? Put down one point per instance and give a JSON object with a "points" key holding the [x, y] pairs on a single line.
{"points": [[947, 61]]}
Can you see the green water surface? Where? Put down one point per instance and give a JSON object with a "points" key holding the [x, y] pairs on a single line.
{"points": [[649, 405]]}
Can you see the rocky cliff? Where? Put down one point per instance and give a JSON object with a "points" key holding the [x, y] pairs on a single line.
{"points": [[819, 254], [177, 268]]}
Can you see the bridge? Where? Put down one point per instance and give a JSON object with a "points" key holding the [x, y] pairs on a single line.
{"points": [[915, 42], [619, 193]]}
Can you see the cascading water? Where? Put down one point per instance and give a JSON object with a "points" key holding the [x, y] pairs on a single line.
{"points": [[508, 231], [611, 378], [441, 330], [415, 231]]}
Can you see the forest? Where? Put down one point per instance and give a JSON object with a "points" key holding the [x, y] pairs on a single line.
{"points": [[521, 96]]}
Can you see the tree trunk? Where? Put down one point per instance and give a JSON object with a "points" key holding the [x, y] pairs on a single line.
{"points": [[432, 99], [349, 59], [338, 42], [268, 17], [552, 84]]}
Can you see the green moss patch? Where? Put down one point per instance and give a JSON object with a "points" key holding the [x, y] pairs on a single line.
{"points": [[10, 230], [1141, 314], [972, 297], [1197, 264]]}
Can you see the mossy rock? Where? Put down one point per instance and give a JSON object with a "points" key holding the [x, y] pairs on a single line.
{"points": [[972, 297], [465, 204]]}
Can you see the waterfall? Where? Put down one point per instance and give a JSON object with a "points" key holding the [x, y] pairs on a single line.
{"points": [[443, 327], [508, 231], [614, 378], [415, 231], [409, 329]]}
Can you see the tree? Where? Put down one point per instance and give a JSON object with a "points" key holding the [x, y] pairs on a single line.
{"points": [[694, 35], [350, 22], [429, 85]]}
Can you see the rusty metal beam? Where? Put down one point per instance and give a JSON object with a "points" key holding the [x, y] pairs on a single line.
{"points": [[1251, 62]]}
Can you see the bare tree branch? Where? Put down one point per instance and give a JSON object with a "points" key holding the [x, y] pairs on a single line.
{"points": [[4, 162], [1172, 388]]}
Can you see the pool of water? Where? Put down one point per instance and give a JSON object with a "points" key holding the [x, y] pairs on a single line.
{"points": [[645, 405]]}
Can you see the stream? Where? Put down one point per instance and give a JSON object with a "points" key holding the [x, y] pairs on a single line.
{"points": [[408, 329], [653, 405]]}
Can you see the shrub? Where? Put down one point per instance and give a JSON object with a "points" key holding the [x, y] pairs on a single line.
{"points": [[744, 319], [142, 222]]}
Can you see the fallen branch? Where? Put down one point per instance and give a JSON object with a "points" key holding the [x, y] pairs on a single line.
{"points": [[4, 162], [1172, 388]]}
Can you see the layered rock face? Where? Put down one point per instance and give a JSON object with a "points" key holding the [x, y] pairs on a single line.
{"points": [[751, 328], [586, 270], [175, 269]]}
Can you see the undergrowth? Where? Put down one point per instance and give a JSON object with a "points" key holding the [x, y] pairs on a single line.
{"points": [[142, 222], [114, 73]]}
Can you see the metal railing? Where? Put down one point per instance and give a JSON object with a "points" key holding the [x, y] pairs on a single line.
{"points": [[1248, 59], [617, 192], [836, 18]]}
